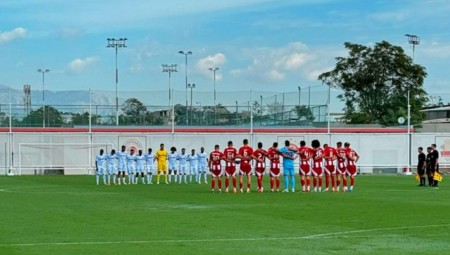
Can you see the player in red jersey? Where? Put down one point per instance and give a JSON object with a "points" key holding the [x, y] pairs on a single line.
{"points": [[274, 156], [341, 167], [329, 156], [317, 169], [215, 168], [230, 166], [245, 154], [306, 154], [352, 158], [259, 156]]}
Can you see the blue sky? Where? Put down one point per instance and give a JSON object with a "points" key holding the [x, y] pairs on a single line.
{"points": [[262, 45]]}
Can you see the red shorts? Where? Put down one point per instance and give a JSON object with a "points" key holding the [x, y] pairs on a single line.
{"points": [[274, 169], [259, 171], [246, 169], [329, 169], [341, 168], [351, 170], [318, 171], [305, 169], [216, 170], [230, 171]]}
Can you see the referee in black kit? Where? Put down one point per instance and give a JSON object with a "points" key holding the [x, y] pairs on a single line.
{"points": [[421, 166], [436, 162]]}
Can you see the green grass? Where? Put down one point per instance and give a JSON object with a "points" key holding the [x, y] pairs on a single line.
{"points": [[70, 215]]}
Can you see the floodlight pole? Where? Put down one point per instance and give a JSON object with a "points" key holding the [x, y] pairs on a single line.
{"points": [[413, 40], [191, 87], [170, 69], [214, 69], [186, 53], [116, 44], [43, 71]]}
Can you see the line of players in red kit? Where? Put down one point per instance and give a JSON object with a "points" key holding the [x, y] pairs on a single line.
{"points": [[314, 161]]}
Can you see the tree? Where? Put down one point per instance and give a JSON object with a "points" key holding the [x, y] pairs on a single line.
{"points": [[274, 109], [304, 112], [83, 119], [134, 112], [375, 81], [53, 118]]}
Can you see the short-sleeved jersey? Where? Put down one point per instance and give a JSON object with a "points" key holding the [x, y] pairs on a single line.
{"points": [[140, 161], [261, 155], [193, 160], [173, 158], [101, 159], [131, 159], [341, 154], [122, 155], [305, 153], [162, 156], [182, 158], [202, 158], [318, 155], [329, 155], [111, 158], [421, 161], [350, 154], [245, 151], [149, 158], [230, 153], [215, 157], [274, 155], [288, 162]]}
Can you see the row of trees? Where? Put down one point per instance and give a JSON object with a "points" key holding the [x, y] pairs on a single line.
{"points": [[375, 82]]}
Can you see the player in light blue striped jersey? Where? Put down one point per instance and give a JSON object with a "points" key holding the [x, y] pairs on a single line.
{"points": [[140, 167], [100, 161], [131, 166], [121, 164], [202, 165], [173, 156], [182, 159], [112, 167], [193, 166], [149, 158]]}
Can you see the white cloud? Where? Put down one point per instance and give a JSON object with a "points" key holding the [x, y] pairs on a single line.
{"points": [[79, 65], [435, 50], [12, 35], [204, 64], [295, 61], [70, 32]]}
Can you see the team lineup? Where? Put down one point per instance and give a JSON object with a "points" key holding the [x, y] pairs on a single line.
{"points": [[336, 164]]}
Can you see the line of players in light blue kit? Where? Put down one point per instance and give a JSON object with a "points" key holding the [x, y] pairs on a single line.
{"points": [[115, 166]]}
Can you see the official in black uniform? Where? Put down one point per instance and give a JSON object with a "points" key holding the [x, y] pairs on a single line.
{"points": [[436, 162], [421, 166], [430, 166]]}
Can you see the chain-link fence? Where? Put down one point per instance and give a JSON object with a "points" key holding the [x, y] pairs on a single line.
{"points": [[306, 106]]}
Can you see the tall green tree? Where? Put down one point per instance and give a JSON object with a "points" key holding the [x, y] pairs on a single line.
{"points": [[83, 119], [134, 112], [53, 118], [375, 81]]}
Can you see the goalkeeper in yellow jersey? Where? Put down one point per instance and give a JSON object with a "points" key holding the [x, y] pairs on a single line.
{"points": [[161, 156]]}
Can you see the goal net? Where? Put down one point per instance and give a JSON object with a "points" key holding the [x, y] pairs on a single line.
{"points": [[59, 158]]}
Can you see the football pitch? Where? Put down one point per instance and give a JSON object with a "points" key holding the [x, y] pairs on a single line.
{"points": [[71, 215]]}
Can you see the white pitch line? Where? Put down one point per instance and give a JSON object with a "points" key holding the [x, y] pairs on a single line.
{"points": [[316, 236]]}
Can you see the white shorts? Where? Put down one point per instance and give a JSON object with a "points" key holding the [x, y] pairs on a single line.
{"points": [[101, 170], [173, 167], [122, 166], [150, 169], [202, 169], [139, 169], [111, 169], [193, 170], [183, 169], [131, 169]]}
